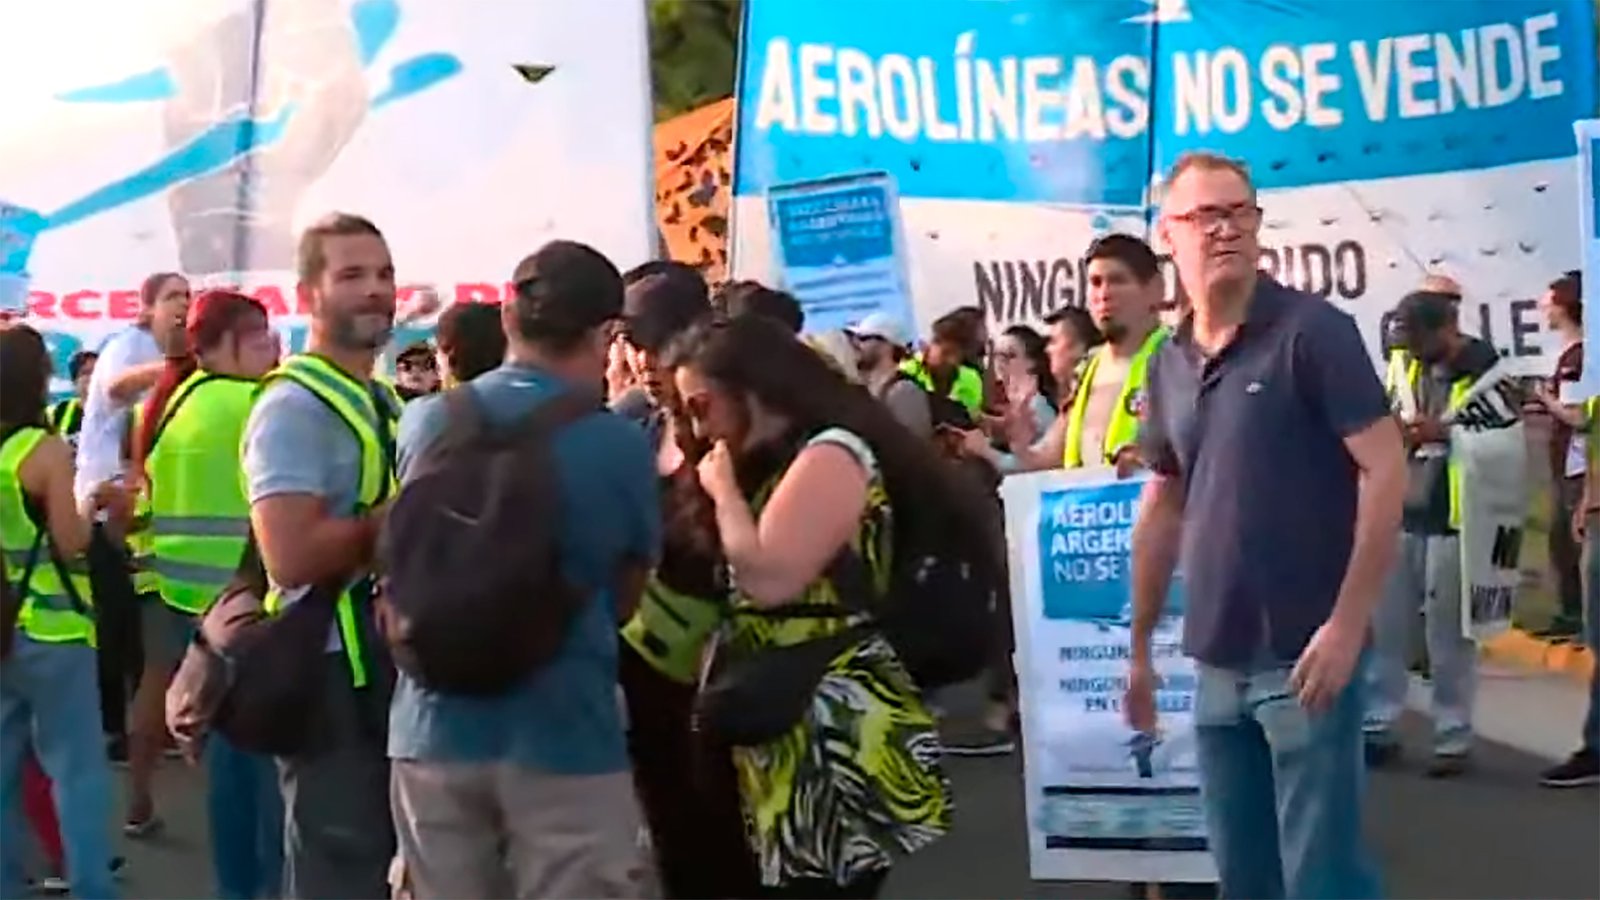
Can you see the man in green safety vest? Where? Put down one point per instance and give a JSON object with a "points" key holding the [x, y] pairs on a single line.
{"points": [[66, 416], [1100, 420], [1444, 365], [318, 466], [1397, 358], [943, 372]]}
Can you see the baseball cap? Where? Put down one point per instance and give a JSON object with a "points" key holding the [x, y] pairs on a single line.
{"points": [[883, 326], [566, 288], [1425, 311], [663, 304]]}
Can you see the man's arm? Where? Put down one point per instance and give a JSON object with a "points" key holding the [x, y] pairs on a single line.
{"points": [[302, 543], [1335, 374], [1157, 536], [287, 451], [127, 385], [1043, 453], [1381, 460]]}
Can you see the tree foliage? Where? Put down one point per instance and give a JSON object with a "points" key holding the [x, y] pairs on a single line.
{"points": [[694, 48]]}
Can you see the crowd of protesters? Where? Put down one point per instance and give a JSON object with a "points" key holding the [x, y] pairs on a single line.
{"points": [[726, 493]]}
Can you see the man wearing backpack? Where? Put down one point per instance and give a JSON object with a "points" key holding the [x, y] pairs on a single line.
{"points": [[524, 791], [318, 470]]}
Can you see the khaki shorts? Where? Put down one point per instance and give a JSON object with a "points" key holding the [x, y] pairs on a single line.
{"points": [[164, 631], [541, 835]]}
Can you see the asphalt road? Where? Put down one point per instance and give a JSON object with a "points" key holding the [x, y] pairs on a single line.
{"points": [[1493, 834]]}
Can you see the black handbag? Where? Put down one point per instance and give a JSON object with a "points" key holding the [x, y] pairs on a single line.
{"points": [[752, 699]]}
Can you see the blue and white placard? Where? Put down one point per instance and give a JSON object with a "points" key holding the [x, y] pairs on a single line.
{"points": [[839, 250], [1104, 803]]}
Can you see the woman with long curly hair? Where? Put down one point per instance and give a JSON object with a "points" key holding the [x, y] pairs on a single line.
{"points": [[805, 466]]}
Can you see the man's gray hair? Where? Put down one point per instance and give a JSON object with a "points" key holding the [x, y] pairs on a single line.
{"points": [[1207, 160]]}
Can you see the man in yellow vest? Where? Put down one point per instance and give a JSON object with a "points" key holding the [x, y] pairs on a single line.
{"points": [[1397, 358], [1427, 574], [943, 372], [1100, 421], [66, 416], [318, 467]]}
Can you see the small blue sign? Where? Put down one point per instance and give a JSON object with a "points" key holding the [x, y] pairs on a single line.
{"points": [[839, 250], [1086, 553]]}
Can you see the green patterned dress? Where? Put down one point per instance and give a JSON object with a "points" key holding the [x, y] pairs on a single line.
{"points": [[858, 780]]}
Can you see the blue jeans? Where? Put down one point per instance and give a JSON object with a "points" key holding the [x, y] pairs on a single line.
{"points": [[246, 812], [50, 698], [1282, 788], [1591, 628]]}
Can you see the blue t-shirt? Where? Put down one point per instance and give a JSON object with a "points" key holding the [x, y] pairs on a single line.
{"points": [[564, 718]]}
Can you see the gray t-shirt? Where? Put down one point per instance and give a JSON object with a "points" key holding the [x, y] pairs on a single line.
{"points": [[295, 444]]}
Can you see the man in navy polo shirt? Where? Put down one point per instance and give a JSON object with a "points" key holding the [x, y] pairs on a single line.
{"points": [[1278, 478]]}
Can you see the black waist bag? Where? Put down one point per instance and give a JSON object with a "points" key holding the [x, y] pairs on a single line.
{"points": [[255, 678], [756, 698]]}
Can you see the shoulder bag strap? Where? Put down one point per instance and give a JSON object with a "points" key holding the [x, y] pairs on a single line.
{"points": [[556, 413]]}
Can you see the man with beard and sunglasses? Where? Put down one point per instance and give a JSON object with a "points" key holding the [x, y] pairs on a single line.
{"points": [[318, 462]]}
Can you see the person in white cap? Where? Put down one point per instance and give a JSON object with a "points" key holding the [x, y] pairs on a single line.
{"points": [[882, 342]]}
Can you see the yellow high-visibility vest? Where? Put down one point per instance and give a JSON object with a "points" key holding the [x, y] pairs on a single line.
{"points": [[1123, 430], [370, 412], [53, 610]]}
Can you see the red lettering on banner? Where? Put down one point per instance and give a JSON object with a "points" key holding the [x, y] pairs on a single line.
{"points": [[72, 305], [122, 304], [477, 293], [272, 299], [41, 304]]}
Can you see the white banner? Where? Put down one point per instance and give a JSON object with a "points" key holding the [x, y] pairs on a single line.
{"points": [[1103, 803], [1488, 443], [200, 136], [1588, 132]]}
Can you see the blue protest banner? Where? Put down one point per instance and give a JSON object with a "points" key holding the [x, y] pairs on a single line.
{"points": [[1389, 141]]}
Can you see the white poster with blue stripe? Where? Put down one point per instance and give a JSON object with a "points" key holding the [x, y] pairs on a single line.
{"points": [[839, 249], [200, 136], [1588, 134], [1390, 140], [1103, 802]]}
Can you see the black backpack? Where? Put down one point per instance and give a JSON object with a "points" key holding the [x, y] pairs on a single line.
{"points": [[944, 597], [472, 597]]}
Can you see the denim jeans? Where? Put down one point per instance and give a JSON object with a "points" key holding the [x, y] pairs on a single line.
{"points": [[1591, 628], [50, 698], [1282, 788], [246, 812]]}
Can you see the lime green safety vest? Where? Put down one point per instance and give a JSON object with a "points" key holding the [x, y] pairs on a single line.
{"points": [[1124, 428], [66, 417], [52, 612], [199, 516], [145, 580], [370, 412], [967, 389], [1397, 371], [669, 629], [1458, 396]]}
